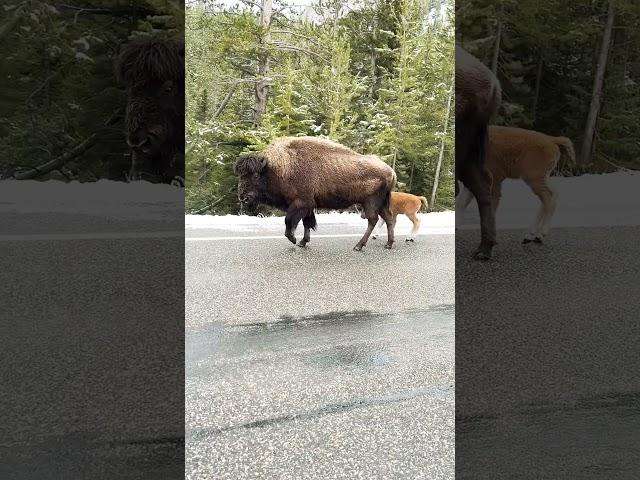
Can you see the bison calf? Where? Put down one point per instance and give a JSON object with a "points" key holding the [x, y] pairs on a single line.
{"points": [[299, 174]]}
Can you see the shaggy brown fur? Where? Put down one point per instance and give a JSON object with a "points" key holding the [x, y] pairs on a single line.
{"points": [[299, 174], [407, 204], [531, 156], [153, 71], [478, 96]]}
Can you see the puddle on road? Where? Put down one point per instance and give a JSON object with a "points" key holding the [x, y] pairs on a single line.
{"points": [[360, 338], [356, 355]]}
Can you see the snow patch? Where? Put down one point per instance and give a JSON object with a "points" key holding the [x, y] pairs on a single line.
{"points": [[586, 201], [109, 198], [431, 223]]}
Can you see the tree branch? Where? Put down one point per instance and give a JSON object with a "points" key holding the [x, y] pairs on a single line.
{"points": [[225, 100], [285, 46], [59, 161]]}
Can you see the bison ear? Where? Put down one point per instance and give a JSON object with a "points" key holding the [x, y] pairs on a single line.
{"points": [[248, 163]]}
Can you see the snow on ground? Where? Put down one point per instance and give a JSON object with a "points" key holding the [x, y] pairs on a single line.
{"points": [[104, 198], [431, 223], [586, 201]]}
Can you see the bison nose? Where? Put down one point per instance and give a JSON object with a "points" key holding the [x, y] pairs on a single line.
{"points": [[137, 139]]}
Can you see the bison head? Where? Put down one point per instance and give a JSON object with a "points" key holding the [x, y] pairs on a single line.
{"points": [[153, 72], [252, 183]]}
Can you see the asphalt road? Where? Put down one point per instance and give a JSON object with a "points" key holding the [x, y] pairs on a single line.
{"points": [[319, 362], [547, 356], [91, 363]]}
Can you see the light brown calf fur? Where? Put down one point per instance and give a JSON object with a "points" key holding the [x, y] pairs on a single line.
{"points": [[408, 205], [531, 156]]}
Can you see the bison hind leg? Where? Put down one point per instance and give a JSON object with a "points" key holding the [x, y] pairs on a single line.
{"points": [[309, 223], [291, 221]]}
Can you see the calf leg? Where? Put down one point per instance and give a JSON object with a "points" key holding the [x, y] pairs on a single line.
{"points": [[309, 223], [416, 226], [548, 201], [463, 199], [478, 181], [376, 231]]}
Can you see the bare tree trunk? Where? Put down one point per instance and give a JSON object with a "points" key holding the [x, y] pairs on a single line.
{"points": [[596, 96], [536, 93], [262, 85], [496, 49], [436, 177], [374, 59]]}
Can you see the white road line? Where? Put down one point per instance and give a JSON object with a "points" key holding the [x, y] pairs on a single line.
{"points": [[89, 236], [280, 237]]}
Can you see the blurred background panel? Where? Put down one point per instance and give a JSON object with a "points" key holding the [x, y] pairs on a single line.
{"points": [[545, 382]]}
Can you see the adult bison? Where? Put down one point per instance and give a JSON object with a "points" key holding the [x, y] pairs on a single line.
{"points": [[478, 96], [299, 174], [153, 71]]}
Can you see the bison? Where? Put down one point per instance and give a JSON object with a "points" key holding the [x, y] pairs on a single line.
{"points": [[478, 96], [152, 70], [299, 174]]}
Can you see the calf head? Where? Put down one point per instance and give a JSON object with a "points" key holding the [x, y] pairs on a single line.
{"points": [[252, 180]]}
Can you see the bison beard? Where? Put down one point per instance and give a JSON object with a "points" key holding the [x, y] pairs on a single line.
{"points": [[300, 174], [153, 71], [478, 97]]}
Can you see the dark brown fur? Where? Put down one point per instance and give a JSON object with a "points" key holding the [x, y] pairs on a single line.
{"points": [[478, 96], [153, 71], [298, 175]]}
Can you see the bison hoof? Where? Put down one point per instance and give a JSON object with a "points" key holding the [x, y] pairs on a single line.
{"points": [[302, 243], [292, 238], [537, 240], [373, 237], [357, 248], [388, 246], [482, 255], [409, 240], [526, 240]]}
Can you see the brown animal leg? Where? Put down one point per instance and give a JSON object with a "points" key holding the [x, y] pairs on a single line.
{"points": [[377, 229], [548, 199], [496, 193], [309, 223], [291, 221], [390, 219], [365, 237], [416, 226], [478, 181]]}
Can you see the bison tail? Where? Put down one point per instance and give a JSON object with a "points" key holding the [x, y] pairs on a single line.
{"points": [[424, 202], [567, 144]]}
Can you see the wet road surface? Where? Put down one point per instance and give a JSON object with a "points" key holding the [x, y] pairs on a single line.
{"points": [[319, 362], [547, 356]]}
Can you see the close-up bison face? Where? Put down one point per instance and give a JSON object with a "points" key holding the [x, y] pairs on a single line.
{"points": [[152, 70], [252, 181], [152, 112]]}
